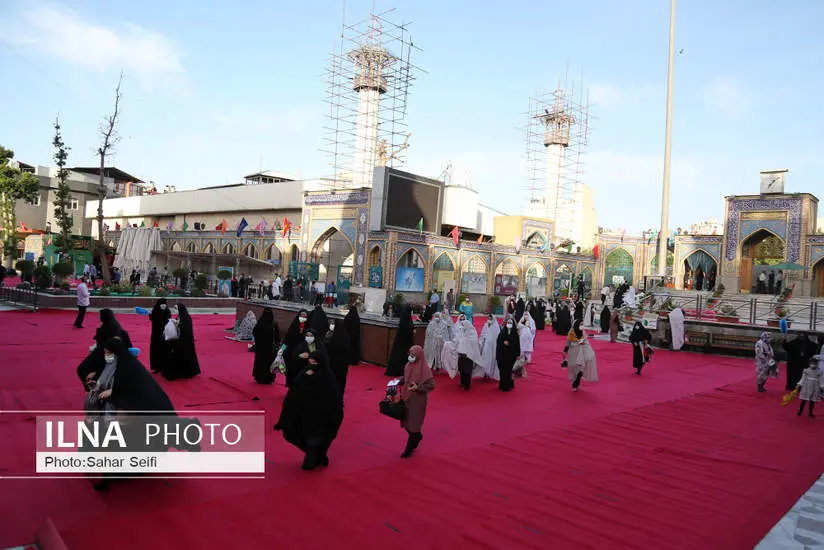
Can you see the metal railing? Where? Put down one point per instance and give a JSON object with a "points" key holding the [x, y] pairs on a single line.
{"points": [[25, 297], [804, 314]]}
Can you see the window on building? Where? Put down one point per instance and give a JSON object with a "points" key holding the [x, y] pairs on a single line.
{"points": [[74, 204], [35, 201]]}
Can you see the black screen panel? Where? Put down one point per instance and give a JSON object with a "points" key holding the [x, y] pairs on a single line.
{"points": [[407, 201]]}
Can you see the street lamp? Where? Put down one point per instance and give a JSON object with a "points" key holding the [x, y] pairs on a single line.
{"points": [[664, 233]]}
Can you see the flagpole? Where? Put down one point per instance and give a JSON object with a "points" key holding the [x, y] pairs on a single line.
{"points": [[665, 195]]}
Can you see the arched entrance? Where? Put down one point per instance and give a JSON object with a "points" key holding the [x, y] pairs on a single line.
{"points": [[334, 256], [759, 252], [618, 267], [700, 271], [536, 280], [410, 272], [250, 251], [375, 264], [586, 275], [442, 270], [818, 278], [563, 279], [474, 276]]}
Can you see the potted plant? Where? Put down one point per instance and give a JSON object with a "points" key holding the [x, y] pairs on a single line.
{"points": [[665, 308], [727, 314], [62, 270], [781, 312], [495, 306]]}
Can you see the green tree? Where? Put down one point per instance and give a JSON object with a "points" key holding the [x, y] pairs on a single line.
{"points": [[14, 185], [63, 194]]}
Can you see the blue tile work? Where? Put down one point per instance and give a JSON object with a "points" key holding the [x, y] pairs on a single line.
{"points": [[791, 205], [748, 227]]}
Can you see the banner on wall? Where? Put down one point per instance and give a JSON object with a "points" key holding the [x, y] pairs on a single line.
{"points": [[506, 285], [409, 279], [473, 283], [225, 287], [376, 277]]}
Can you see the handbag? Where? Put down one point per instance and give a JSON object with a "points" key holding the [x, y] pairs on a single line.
{"points": [[392, 409]]}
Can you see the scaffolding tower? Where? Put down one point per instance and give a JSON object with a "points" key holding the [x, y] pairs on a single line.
{"points": [[368, 81], [557, 135]]}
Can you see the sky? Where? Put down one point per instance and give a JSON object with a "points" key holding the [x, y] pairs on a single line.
{"points": [[214, 90]]}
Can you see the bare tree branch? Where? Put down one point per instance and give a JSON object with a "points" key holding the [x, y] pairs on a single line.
{"points": [[109, 138]]}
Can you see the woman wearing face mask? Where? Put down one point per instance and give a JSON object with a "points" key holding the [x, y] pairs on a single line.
{"points": [[404, 339], [489, 343], [765, 365], [294, 337], [311, 344], [579, 357], [526, 330], [436, 335], [416, 384], [639, 338], [93, 365], [462, 355], [508, 349], [337, 345], [158, 346], [267, 342], [312, 411]]}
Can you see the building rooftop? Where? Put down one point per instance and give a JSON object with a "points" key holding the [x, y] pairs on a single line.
{"points": [[116, 174]]}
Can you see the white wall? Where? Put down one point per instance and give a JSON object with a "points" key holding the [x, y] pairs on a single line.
{"points": [[273, 196]]}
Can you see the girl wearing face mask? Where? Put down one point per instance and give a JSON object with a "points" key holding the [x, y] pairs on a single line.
{"points": [[508, 349], [294, 337], [416, 384], [436, 335], [312, 410], [489, 343], [527, 332]]}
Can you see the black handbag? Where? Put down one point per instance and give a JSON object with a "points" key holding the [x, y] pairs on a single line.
{"points": [[393, 409]]}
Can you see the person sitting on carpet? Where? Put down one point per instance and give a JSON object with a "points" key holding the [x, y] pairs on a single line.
{"points": [[415, 386], [246, 327], [312, 411], [579, 358]]}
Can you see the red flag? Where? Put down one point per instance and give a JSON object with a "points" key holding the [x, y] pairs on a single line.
{"points": [[116, 226], [595, 251], [223, 226], [481, 238], [455, 234], [154, 224], [286, 227]]}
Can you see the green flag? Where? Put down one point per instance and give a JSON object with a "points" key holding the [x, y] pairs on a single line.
{"points": [[143, 224], [185, 225], [420, 226]]}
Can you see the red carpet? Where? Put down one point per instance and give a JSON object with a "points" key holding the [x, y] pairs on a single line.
{"points": [[686, 456]]}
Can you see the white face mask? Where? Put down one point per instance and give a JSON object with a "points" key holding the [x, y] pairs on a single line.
{"points": [[310, 339], [110, 359], [509, 325], [302, 319], [332, 326], [411, 358], [163, 306]]}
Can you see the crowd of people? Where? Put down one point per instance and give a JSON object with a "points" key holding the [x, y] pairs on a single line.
{"points": [[316, 351]]}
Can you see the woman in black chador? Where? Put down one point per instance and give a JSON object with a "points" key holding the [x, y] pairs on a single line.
{"points": [[312, 412], [159, 351], [579, 312], [294, 337], [267, 342], [520, 308], [540, 315], [799, 352], [312, 343], [352, 324], [337, 345], [639, 337], [605, 317], [184, 363], [564, 324], [404, 339], [318, 320], [94, 363], [508, 348]]}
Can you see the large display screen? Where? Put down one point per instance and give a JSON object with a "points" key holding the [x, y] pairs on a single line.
{"points": [[408, 199]]}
